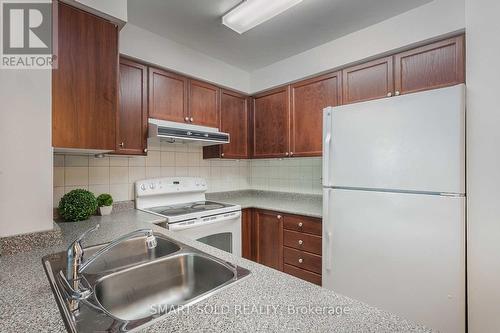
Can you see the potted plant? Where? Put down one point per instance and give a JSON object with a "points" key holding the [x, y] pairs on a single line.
{"points": [[105, 203], [77, 205]]}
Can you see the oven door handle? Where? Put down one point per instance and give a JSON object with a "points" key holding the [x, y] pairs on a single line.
{"points": [[179, 226]]}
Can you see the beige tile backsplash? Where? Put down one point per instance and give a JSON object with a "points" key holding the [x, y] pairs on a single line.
{"points": [[116, 175]]}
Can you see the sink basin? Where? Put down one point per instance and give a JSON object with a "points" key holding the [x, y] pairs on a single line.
{"points": [[130, 285], [154, 288], [128, 253]]}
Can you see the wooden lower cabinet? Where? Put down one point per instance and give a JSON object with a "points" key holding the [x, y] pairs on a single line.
{"points": [[247, 235], [302, 274], [269, 238], [286, 242]]}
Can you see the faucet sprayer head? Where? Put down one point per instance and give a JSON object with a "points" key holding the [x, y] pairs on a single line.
{"points": [[151, 241]]}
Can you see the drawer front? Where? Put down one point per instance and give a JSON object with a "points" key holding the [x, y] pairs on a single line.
{"points": [[301, 241], [304, 260], [302, 274], [305, 224]]}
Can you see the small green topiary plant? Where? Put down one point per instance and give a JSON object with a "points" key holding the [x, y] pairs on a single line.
{"points": [[104, 200], [77, 205]]}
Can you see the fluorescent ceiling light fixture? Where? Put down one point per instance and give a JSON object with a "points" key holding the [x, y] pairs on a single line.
{"points": [[251, 13]]}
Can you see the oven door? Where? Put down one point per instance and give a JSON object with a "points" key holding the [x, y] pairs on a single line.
{"points": [[223, 232]]}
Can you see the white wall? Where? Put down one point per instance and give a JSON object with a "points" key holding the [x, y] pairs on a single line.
{"points": [[483, 169], [25, 151], [297, 175], [142, 44], [114, 8], [434, 19]]}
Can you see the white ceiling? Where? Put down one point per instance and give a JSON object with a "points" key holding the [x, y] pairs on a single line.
{"points": [[197, 24]]}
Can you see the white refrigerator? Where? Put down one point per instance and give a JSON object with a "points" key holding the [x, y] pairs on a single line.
{"points": [[394, 205]]}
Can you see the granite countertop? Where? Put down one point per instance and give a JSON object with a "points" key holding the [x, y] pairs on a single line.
{"points": [[266, 301], [292, 203]]}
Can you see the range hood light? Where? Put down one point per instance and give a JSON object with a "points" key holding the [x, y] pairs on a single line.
{"points": [[251, 13]]}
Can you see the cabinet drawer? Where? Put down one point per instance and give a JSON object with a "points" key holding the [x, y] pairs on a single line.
{"points": [[305, 224], [304, 260], [303, 274], [301, 241]]}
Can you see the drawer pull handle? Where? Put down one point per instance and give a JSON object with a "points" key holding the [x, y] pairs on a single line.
{"points": [[279, 217], [300, 225], [301, 242], [301, 261]]}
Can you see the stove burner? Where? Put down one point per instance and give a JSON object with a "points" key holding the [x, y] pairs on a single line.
{"points": [[188, 208], [207, 206]]}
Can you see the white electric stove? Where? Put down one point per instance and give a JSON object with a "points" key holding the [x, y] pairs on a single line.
{"points": [[181, 200]]}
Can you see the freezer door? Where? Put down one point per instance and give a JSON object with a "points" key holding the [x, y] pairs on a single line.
{"points": [[413, 142], [404, 253]]}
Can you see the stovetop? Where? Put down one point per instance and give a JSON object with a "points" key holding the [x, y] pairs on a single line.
{"points": [[200, 208]]}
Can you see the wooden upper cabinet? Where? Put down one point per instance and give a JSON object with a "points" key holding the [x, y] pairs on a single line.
{"points": [[132, 119], [85, 83], [367, 81], [271, 123], [269, 234], [432, 66], [234, 113], [167, 95], [308, 100], [204, 104]]}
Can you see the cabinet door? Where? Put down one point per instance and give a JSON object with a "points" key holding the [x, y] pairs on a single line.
{"points": [[248, 248], [309, 98], [269, 239], [234, 120], [432, 66], [85, 83], [368, 81], [204, 104], [132, 120], [234, 113], [271, 123], [167, 95]]}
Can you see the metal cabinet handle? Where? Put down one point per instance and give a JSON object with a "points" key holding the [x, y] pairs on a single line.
{"points": [[191, 119], [389, 94], [186, 119], [301, 260], [301, 242], [286, 154], [397, 93], [222, 155], [145, 150], [278, 217], [291, 153], [300, 224], [122, 144]]}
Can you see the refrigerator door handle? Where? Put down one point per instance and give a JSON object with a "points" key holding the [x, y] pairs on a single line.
{"points": [[327, 134], [328, 260], [326, 230]]}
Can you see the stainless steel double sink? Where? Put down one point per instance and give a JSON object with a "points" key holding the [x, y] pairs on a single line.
{"points": [[132, 285]]}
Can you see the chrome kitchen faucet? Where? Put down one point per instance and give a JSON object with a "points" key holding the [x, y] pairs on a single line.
{"points": [[75, 265]]}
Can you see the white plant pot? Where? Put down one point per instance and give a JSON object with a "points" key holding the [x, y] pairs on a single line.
{"points": [[105, 210]]}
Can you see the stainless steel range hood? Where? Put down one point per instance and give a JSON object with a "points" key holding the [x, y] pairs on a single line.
{"points": [[172, 132]]}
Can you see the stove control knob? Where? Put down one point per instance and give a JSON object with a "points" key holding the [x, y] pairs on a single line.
{"points": [[152, 186], [143, 187]]}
